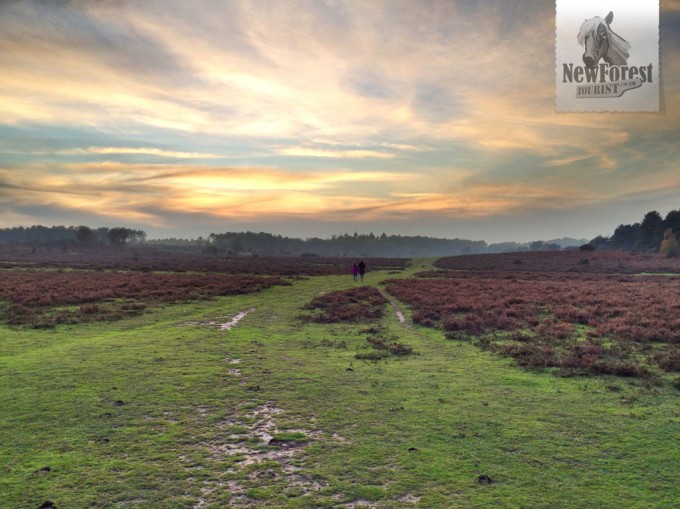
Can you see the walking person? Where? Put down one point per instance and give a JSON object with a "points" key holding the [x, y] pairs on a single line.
{"points": [[362, 269], [355, 270]]}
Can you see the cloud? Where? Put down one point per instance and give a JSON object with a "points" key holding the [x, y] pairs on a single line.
{"points": [[138, 151], [364, 110], [264, 70], [122, 190], [97, 32], [335, 154], [281, 75]]}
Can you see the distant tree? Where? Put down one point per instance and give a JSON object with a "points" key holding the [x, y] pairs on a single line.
{"points": [[651, 231], [626, 236], [137, 236], [672, 221], [238, 245], [121, 236], [102, 234], [85, 235], [117, 236], [600, 242], [669, 244]]}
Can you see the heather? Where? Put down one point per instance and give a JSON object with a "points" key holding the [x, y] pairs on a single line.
{"points": [[44, 298], [581, 322], [150, 258], [608, 262], [360, 304]]}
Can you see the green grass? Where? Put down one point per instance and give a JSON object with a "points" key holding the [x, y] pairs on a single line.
{"points": [[148, 412]]}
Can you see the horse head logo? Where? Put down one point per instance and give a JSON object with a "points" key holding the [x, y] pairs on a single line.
{"points": [[600, 42]]}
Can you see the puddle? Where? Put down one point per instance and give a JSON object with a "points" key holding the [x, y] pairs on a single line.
{"points": [[256, 447], [222, 326], [232, 323], [400, 315]]}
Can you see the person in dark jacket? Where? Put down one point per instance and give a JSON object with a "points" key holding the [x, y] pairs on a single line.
{"points": [[362, 269]]}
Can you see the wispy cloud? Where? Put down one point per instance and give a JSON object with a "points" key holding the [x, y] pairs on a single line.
{"points": [[334, 154], [138, 151]]}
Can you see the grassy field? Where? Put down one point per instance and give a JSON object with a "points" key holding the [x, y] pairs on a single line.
{"points": [[168, 409]]}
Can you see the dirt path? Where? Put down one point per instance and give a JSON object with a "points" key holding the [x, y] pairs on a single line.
{"points": [[397, 311]]}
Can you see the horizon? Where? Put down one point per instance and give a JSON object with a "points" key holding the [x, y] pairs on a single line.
{"points": [[308, 120], [322, 237]]}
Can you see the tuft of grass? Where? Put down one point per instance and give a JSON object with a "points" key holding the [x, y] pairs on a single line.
{"points": [[372, 355], [290, 436]]}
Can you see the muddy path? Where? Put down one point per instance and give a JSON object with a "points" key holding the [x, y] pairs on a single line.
{"points": [[397, 311], [255, 441], [225, 326]]}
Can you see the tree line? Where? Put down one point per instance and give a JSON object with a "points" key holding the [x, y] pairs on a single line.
{"points": [[39, 235], [343, 245], [267, 244], [652, 234], [250, 243]]}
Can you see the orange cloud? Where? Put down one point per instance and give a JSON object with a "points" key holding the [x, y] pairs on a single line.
{"points": [[334, 154], [139, 151]]}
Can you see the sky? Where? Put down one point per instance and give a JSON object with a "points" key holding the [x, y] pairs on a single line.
{"points": [[310, 118]]}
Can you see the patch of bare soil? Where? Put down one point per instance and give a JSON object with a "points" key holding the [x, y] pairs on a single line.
{"points": [[232, 323], [410, 499], [222, 326], [262, 457]]}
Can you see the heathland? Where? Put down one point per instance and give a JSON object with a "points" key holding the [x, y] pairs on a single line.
{"points": [[146, 379]]}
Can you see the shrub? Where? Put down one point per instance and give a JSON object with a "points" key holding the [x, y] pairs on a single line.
{"points": [[582, 356], [669, 244], [669, 360], [530, 355], [378, 343], [400, 349], [394, 348], [372, 355], [620, 368], [360, 304]]}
